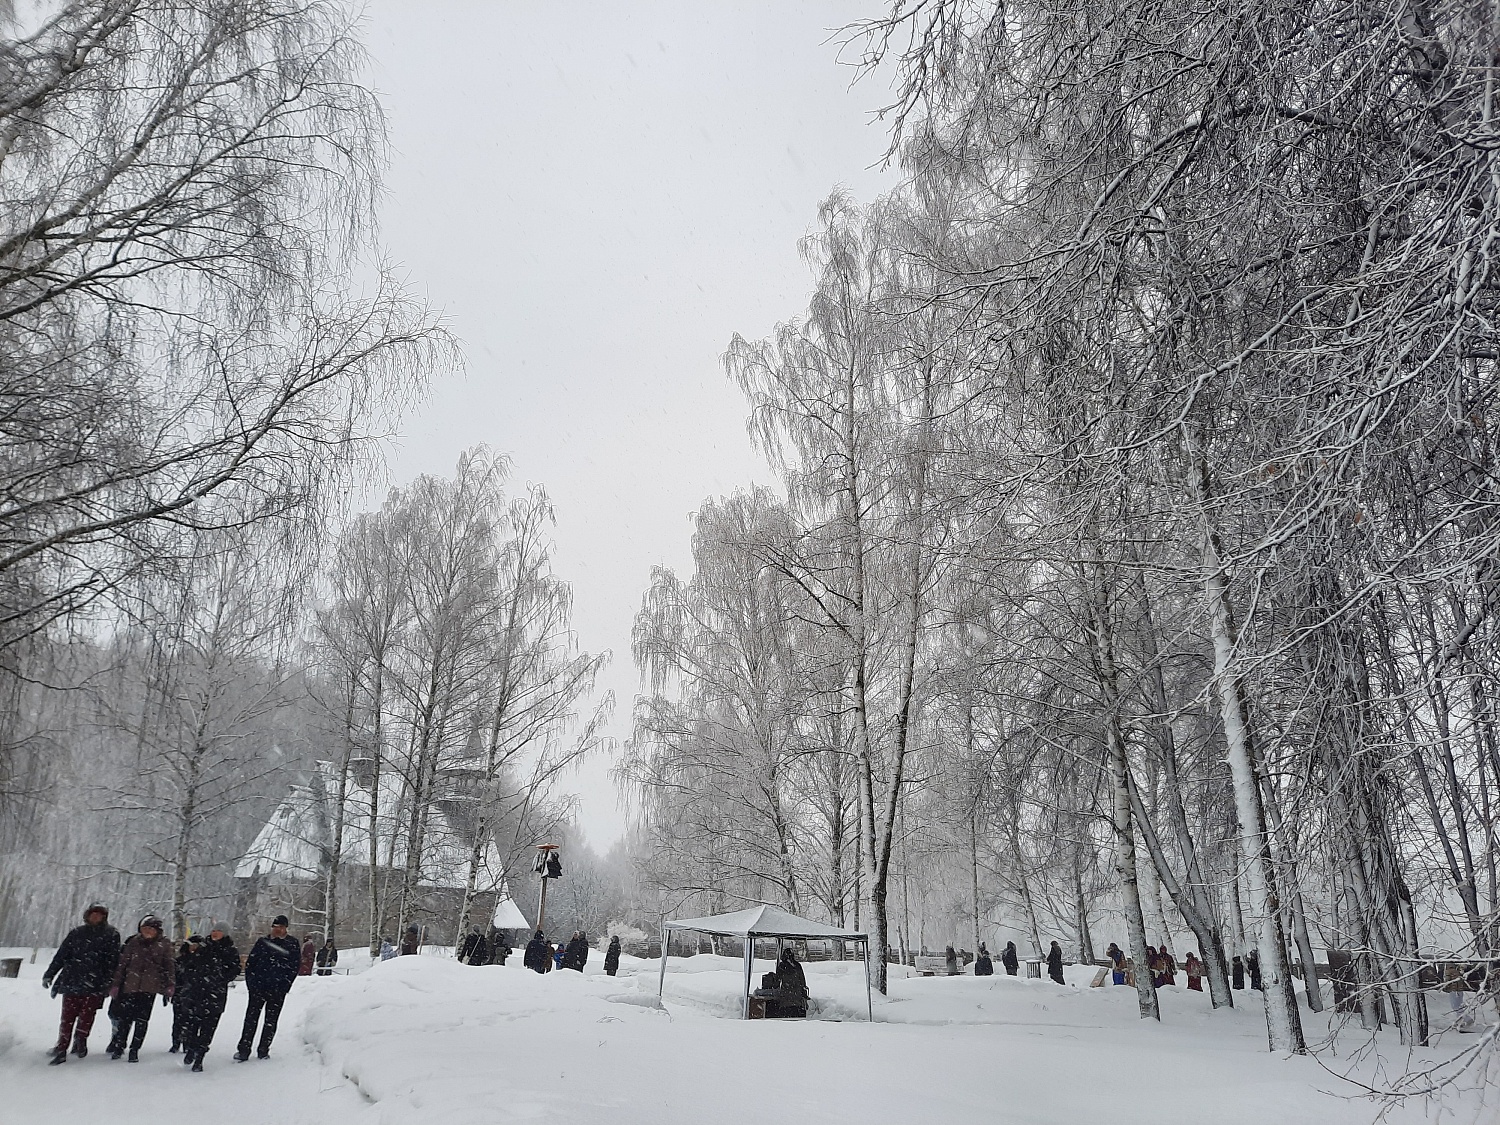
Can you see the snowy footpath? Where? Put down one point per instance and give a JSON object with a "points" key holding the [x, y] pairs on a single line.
{"points": [[418, 1040]]}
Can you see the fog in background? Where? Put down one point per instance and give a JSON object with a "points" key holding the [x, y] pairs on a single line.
{"points": [[598, 196]]}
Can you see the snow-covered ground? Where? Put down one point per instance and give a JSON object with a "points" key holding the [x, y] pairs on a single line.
{"points": [[425, 1039]]}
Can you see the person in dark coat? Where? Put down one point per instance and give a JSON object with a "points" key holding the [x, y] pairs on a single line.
{"points": [[145, 971], [1237, 973], [1009, 959], [327, 958], [270, 972], [1116, 962], [538, 955], [983, 965], [576, 955], [1054, 963], [499, 946], [411, 944], [950, 959], [1252, 963], [612, 956], [204, 969], [474, 949], [81, 971], [309, 957], [176, 1010], [792, 984]]}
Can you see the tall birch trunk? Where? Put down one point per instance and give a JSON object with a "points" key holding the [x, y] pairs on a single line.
{"points": [[1283, 1022], [1102, 637]]}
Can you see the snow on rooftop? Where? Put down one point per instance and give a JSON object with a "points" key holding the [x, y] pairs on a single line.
{"points": [[299, 833]]}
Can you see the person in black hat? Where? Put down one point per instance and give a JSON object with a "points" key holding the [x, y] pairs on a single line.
{"points": [[475, 948], [1055, 963], [270, 971], [538, 957], [204, 969], [1010, 959], [81, 971], [576, 955]]}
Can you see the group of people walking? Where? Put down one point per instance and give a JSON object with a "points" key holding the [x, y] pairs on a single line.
{"points": [[93, 965], [1163, 968]]}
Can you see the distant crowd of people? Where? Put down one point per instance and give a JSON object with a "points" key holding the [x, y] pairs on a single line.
{"points": [[93, 965], [1160, 964], [542, 956]]}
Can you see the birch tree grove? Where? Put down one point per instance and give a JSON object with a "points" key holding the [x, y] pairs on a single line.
{"points": [[185, 190], [198, 348], [1154, 408]]}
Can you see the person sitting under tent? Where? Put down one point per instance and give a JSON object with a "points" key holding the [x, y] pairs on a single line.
{"points": [[791, 983]]}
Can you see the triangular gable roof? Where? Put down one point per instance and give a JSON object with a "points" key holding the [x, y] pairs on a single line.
{"points": [[763, 921], [292, 843], [508, 916]]}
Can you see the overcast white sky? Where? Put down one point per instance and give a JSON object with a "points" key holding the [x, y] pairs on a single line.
{"points": [[598, 195]]}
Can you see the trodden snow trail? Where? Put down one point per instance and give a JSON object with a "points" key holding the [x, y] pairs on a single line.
{"points": [[423, 1039], [292, 1087]]}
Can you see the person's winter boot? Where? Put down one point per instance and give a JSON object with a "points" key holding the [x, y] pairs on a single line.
{"points": [[115, 1052], [174, 1048], [241, 1055], [134, 1056], [263, 1054], [59, 1055], [198, 1065], [188, 1057], [81, 1047]]}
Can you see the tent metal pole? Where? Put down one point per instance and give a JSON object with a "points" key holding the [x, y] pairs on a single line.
{"points": [[869, 1002], [661, 979], [749, 962]]}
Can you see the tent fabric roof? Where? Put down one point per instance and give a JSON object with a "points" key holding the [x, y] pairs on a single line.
{"points": [[763, 921]]}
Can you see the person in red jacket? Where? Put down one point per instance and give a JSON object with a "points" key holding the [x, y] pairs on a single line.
{"points": [[309, 955], [1194, 969]]}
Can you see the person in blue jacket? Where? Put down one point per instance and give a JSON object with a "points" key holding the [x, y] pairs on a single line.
{"points": [[270, 972]]}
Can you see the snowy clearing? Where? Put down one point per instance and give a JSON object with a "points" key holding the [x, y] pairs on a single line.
{"points": [[426, 1039]]}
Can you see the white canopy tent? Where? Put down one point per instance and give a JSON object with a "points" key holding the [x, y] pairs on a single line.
{"points": [[762, 922]]}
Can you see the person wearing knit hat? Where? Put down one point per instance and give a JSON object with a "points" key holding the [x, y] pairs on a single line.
{"points": [[205, 968], [81, 971], [270, 971], [146, 970]]}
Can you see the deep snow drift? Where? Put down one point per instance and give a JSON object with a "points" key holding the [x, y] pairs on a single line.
{"points": [[426, 1039]]}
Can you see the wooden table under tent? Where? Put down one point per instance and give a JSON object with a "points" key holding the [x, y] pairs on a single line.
{"points": [[769, 923]]}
